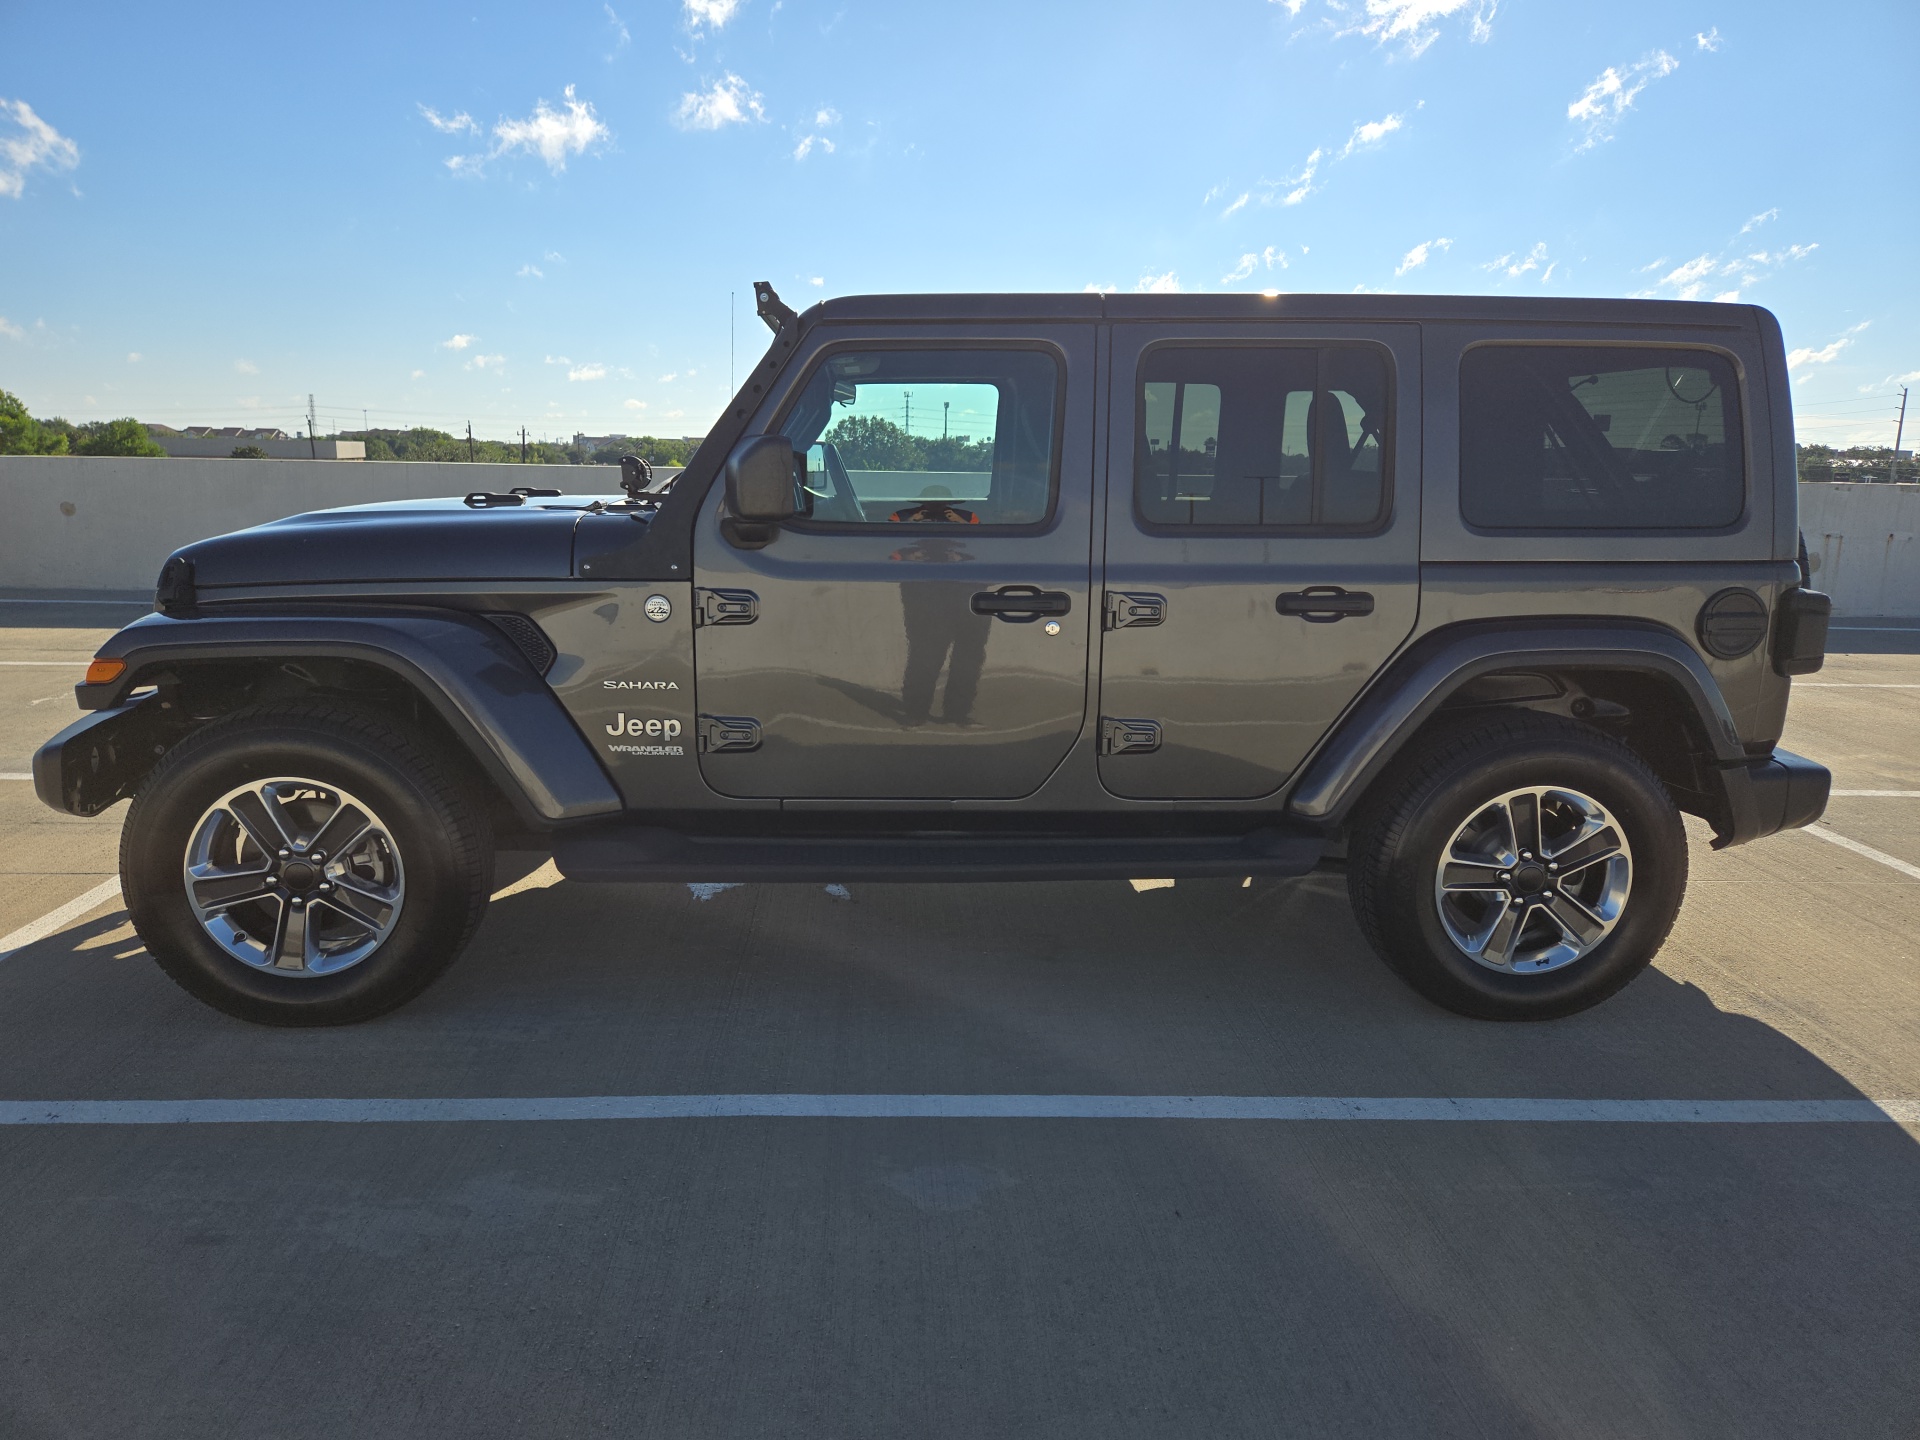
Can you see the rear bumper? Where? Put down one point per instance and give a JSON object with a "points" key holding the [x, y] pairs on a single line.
{"points": [[1784, 791]]}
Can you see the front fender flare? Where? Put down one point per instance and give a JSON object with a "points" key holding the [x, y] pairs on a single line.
{"points": [[1432, 669], [479, 684]]}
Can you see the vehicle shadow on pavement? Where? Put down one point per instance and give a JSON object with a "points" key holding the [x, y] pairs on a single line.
{"points": [[955, 1277]]}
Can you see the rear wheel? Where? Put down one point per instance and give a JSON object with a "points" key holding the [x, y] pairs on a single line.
{"points": [[1518, 867], [304, 865]]}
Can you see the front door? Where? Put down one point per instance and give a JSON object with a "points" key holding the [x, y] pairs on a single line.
{"points": [[1263, 540], [924, 632]]}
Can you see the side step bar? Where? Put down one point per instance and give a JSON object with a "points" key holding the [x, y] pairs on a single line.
{"points": [[644, 853]]}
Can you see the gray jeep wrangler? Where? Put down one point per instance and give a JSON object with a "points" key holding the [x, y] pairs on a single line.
{"points": [[1470, 596]]}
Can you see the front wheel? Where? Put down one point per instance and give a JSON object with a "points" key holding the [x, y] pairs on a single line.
{"points": [[1521, 867], [304, 865]]}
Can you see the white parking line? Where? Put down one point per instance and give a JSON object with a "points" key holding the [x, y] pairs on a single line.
{"points": [[957, 1107], [52, 664], [1892, 863], [56, 921], [16, 775], [1884, 794], [1851, 685]]}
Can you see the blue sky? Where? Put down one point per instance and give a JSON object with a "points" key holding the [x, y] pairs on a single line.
{"points": [[534, 214]]}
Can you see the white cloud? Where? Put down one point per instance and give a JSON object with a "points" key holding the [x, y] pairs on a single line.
{"points": [[1212, 195], [1823, 356], [1418, 255], [456, 342], [711, 13], [417, 374], [817, 280], [1689, 281], [728, 101], [668, 378], [1517, 265], [1372, 133], [1708, 41], [460, 124], [551, 134], [825, 117], [558, 360], [587, 372], [1601, 106], [555, 257], [807, 143], [486, 362], [134, 357], [531, 271], [35, 146], [246, 367], [11, 330], [1294, 7], [1239, 204], [1091, 288], [1253, 260], [633, 404], [1762, 218], [1300, 184], [621, 36], [1167, 284], [1416, 23]]}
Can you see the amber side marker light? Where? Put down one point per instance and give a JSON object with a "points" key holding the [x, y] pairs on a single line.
{"points": [[105, 672]]}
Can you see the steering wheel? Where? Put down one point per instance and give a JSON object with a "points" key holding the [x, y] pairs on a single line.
{"points": [[838, 504]]}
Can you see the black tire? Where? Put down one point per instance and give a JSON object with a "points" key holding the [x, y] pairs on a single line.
{"points": [[440, 835], [1412, 813]]}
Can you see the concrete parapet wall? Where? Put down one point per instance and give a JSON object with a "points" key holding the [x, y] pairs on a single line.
{"points": [[192, 447], [88, 523], [1860, 543]]}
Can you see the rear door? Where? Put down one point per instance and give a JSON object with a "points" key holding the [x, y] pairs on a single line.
{"points": [[925, 632], [1262, 548]]}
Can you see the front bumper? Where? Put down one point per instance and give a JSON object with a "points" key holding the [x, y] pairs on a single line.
{"points": [[101, 758], [1783, 791]]}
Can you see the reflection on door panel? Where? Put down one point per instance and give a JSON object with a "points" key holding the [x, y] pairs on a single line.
{"points": [[1261, 489]]}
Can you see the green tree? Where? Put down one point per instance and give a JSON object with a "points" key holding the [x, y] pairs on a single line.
{"points": [[247, 452], [21, 434], [125, 436], [872, 442]]}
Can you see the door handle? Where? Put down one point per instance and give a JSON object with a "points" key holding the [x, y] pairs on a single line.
{"points": [[1021, 604], [1323, 604]]}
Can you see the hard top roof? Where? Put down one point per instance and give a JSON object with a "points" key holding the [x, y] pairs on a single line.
{"points": [[1505, 309]]}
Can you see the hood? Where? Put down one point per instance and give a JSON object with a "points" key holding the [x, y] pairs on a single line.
{"points": [[405, 540]]}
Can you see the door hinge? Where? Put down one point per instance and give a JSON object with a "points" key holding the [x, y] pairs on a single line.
{"points": [[1126, 609], [1128, 737], [727, 607], [728, 732]]}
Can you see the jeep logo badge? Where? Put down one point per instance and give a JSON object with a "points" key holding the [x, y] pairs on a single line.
{"points": [[658, 608]]}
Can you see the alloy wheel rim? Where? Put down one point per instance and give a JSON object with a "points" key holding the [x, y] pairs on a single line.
{"points": [[294, 877], [1533, 880]]}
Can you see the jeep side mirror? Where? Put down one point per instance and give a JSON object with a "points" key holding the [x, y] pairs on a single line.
{"points": [[761, 487]]}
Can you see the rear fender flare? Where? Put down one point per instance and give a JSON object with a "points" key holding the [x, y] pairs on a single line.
{"points": [[504, 715], [1390, 711]]}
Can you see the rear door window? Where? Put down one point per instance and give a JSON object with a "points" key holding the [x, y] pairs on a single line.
{"points": [[1599, 438], [1261, 437]]}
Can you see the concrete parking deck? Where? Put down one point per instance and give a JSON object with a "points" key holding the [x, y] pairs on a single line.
{"points": [[968, 1267]]}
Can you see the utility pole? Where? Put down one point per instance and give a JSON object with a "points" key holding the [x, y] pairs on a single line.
{"points": [[730, 308], [363, 422], [1899, 429], [907, 396], [469, 442], [313, 446], [945, 406], [523, 444]]}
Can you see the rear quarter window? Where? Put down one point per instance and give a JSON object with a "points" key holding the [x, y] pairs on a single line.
{"points": [[1556, 437]]}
